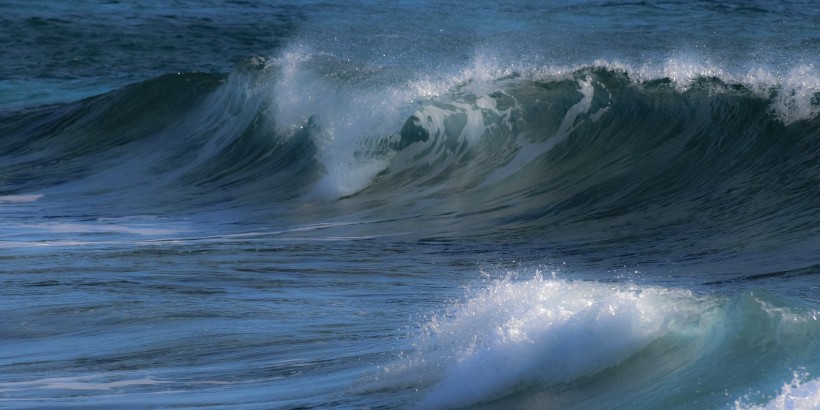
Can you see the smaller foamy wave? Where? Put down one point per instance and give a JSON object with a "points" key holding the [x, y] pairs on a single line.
{"points": [[799, 394], [540, 332]]}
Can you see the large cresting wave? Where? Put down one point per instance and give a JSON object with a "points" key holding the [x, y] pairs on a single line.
{"points": [[527, 147]]}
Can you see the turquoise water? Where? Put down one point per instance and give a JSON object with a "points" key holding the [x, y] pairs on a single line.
{"points": [[409, 205]]}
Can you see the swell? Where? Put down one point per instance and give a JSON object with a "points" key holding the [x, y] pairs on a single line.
{"points": [[50, 145], [176, 137]]}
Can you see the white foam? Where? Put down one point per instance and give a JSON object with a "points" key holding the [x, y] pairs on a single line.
{"points": [[539, 331], [88, 233], [346, 177], [91, 228], [345, 115], [20, 198], [790, 90], [94, 382], [794, 94], [799, 394]]}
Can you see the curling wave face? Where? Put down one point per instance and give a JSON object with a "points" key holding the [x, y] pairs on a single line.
{"points": [[578, 149]]}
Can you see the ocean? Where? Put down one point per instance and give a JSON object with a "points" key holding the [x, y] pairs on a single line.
{"points": [[411, 204]]}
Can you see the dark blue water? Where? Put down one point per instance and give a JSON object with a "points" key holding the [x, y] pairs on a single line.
{"points": [[409, 205]]}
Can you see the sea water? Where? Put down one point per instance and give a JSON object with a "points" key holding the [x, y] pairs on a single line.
{"points": [[410, 204]]}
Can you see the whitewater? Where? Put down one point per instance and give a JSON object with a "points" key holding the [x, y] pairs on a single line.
{"points": [[421, 205]]}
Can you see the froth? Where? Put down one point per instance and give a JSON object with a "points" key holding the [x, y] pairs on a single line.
{"points": [[20, 198], [541, 331], [800, 393], [345, 108], [791, 91]]}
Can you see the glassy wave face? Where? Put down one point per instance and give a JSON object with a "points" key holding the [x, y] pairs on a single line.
{"points": [[597, 205]]}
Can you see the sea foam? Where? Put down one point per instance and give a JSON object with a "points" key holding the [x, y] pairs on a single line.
{"points": [[517, 334], [799, 394]]}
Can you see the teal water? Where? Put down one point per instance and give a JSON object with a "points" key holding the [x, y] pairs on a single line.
{"points": [[409, 205]]}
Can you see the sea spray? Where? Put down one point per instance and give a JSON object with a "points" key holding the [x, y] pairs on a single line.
{"points": [[801, 393], [184, 224], [513, 335]]}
